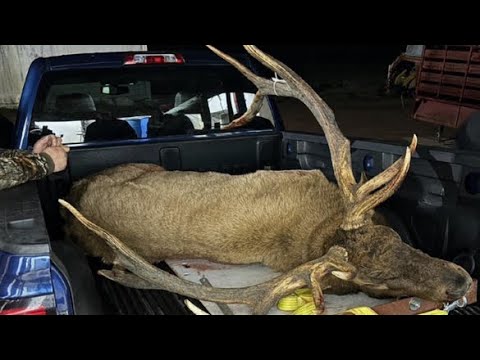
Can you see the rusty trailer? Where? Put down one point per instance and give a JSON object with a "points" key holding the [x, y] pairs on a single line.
{"points": [[448, 85]]}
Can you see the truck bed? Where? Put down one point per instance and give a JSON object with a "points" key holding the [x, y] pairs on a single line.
{"points": [[126, 301], [240, 155]]}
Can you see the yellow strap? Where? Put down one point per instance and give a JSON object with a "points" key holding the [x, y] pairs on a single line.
{"points": [[361, 311], [435, 312], [307, 309], [301, 303], [290, 303]]}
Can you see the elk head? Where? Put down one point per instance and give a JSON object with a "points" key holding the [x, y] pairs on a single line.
{"points": [[386, 266]]}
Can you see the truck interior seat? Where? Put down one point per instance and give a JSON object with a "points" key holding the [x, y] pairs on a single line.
{"points": [[176, 125], [180, 123], [182, 97], [74, 103], [257, 123], [101, 129], [108, 130]]}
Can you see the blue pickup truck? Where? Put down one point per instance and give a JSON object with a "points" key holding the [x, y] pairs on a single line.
{"points": [[172, 109]]}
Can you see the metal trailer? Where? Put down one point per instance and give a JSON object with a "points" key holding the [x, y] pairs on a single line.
{"points": [[448, 85]]}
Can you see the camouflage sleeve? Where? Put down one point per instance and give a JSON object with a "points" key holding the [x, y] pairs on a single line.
{"points": [[18, 167]]}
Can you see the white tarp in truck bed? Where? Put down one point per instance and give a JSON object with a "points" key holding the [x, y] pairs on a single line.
{"points": [[16, 59], [229, 276]]}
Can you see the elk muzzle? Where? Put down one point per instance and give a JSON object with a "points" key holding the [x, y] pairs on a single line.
{"points": [[387, 267]]}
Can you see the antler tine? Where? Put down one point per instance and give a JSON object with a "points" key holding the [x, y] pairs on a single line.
{"points": [[293, 79], [249, 115], [240, 67], [265, 86], [355, 217], [385, 176]]}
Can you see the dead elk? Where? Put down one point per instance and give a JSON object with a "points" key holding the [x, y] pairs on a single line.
{"points": [[282, 219]]}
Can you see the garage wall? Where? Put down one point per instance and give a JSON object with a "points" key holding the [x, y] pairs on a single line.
{"points": [[16, 59]]}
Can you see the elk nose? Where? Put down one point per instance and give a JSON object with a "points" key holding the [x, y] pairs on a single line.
{"points": [[460, 285]]}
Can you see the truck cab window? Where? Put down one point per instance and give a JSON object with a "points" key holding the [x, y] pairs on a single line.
{"points": [[226, 107], [140, 103]]}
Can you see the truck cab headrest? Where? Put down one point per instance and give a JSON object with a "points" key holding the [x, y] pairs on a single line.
{"points": [[77, 102], [182, 97]]}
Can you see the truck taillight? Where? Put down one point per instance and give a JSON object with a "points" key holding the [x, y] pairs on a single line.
{"points": [[24, 311], [153, 59]]}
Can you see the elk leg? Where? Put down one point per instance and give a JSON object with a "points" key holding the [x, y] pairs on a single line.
{"points": [[338, 267], [317, 292]]}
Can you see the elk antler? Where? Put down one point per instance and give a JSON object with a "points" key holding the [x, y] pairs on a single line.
{"points": [[359, 198], [260, 297]]}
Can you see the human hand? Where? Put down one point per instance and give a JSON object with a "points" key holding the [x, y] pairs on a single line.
{"points": [[45, 142], [59, 156]]}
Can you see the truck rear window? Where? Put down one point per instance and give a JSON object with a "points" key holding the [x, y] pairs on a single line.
{"points": [[139, 103]]}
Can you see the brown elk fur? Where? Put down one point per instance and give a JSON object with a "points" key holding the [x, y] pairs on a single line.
{"points": [[279, 218]]}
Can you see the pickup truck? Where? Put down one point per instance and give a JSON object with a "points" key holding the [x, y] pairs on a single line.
{"points": [[171, 109]]}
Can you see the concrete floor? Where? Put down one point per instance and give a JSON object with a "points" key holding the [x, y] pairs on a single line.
{"points": [[353, 91], [380, 119]]}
